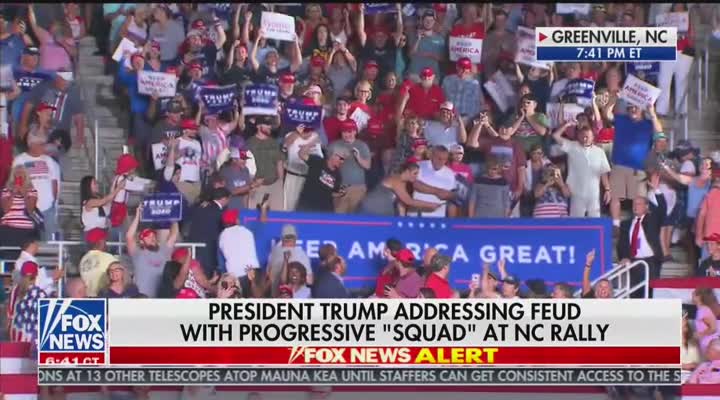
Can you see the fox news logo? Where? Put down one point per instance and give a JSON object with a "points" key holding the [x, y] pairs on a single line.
{"points": [[71, 325]]}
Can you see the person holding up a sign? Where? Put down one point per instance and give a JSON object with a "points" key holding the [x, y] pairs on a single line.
{"points": [[633, 135], [188, 156], [140, 128], [679, 69], [383, 48], [269, 72]]}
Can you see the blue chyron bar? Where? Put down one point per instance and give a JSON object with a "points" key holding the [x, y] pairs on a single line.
{"points": [[606, 53]]}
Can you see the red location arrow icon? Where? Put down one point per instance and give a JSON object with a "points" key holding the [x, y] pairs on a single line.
{"points": [[541, 36]]}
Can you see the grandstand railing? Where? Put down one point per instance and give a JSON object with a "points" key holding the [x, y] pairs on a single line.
{"points": [[63, 247], [619, 278]]}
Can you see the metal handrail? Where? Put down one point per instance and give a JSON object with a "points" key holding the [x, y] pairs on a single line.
{"points": [[619, 278]]}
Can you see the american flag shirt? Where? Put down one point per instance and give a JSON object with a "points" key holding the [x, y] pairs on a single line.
{"points": [[24, 326]]}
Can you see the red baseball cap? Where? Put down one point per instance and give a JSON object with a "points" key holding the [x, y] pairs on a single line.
{"points": [[405, 256], [464, 64], [146, 233], [125, 164], [440, 7], [188, 124], [348, 125], [95, 235], [307, 101], [136, 55], [29, 268], [230, 216], [195, 264], [172, 70], [179, 254], [198, 24], [187, 293], [44, 106], [317, 61], [372, 64], [287, 78], [427, 73]]}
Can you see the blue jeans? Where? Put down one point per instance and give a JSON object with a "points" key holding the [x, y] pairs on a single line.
{"points": [[50, 222]]}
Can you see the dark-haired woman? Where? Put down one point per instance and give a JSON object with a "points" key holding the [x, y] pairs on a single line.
{"points": [[95, 206]]}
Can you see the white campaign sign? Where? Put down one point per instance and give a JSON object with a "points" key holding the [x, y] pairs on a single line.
{"points": [[125, 46], [6, 76], [638, 92], [278, 26], [500, 90], [527, 52], [161, 83], [680, 20], [159, 154], [573, 8], [560, 113], [361, 118], [464, 47]]}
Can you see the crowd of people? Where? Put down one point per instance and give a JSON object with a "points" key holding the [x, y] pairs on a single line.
{"points": [[404, 131]]}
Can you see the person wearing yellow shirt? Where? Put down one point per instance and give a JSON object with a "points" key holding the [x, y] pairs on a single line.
{"points": [[94, 264]]}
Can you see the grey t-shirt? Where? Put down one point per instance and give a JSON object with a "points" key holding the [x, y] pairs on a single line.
{"points": [[235, 178], [148, 268], [67, 103], [491, 198], [170, 39], [351, 171], [434, 44], [438, 134]]}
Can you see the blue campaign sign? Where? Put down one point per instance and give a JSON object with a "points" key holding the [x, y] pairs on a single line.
{"points": [[300, 114], [579, 91], [550, 249], [647, 71], [71, 325], [379, 8], [218, 98], [162, 207]]}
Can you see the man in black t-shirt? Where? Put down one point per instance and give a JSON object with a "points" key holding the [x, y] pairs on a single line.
{"points": [[322, 182], [603, 288]]}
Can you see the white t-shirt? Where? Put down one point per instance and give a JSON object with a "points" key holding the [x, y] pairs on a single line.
{"points": [[585, 165], [92, 219], [190, 152], [237, 244], [42, 171], [295, 163], [444, 178]]}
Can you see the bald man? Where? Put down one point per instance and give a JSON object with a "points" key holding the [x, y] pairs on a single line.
{"points": [[76, 288]]}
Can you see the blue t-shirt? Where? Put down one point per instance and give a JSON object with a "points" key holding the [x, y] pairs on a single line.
{"points": [[633, 141], [138, 102], [11, 49]]}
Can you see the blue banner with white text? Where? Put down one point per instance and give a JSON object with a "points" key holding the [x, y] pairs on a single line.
{"points": [[218, 98], [647, 71], [379, 8], [296, 114], [549, 249], [162, 207]]}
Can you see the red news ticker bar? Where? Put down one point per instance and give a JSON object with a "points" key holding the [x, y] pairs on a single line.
{"points": [[70, 358], [503, 356]]}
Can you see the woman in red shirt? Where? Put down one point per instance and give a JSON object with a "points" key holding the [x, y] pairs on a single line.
{"points": [[678, 69]]}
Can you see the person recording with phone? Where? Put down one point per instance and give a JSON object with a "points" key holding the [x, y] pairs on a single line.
{"points": [[19, 201], [551, 194]]}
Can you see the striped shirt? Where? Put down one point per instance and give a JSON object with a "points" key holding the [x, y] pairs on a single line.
{"points": [[16, 216], [552, 204], [213, 143]]}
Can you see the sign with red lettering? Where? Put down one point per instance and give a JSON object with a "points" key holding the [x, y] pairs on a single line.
{"points": [[278, 26], [465, 47]]}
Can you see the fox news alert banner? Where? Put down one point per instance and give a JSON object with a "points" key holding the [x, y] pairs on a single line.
{"points": [[271, 338], [606, 44]]}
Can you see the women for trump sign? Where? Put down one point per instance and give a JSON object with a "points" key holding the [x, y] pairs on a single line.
{"points": [[278, 26]]}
